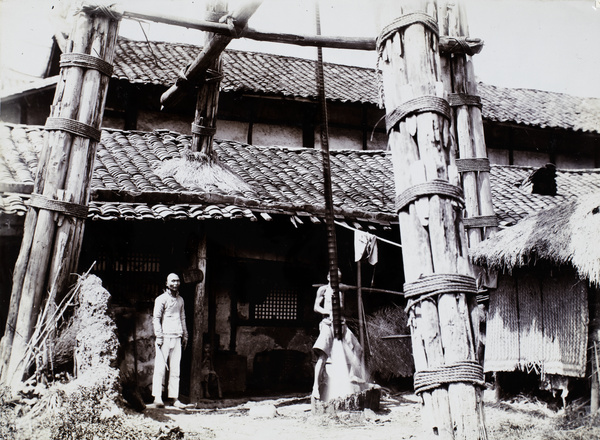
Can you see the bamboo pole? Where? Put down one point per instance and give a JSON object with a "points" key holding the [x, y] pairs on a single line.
{"points": [[210, 52], [345, 287], [594, 348], [361, 323], [334, 280], [207, 101], [51, 239], [432, 234]]}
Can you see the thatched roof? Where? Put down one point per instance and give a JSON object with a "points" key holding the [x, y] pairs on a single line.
{"points": [[567, 234]]}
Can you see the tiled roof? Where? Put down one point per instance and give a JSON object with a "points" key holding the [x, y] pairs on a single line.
{"points": [[129, 180], [159, 63], [512, 204], [262, 179]]}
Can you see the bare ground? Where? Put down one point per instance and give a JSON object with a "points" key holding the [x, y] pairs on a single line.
{"points": [[399, 418]]}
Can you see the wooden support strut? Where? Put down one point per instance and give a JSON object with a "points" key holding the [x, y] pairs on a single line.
{"points": [[210, 52]]}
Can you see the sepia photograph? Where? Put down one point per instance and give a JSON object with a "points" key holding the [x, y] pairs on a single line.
{"points": [[300, 219]]}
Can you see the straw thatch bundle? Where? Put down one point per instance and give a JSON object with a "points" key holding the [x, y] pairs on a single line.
{"points": [[195, 170], [563, 235]]}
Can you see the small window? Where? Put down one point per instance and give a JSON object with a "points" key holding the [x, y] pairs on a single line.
{"points": [[279, 304]]}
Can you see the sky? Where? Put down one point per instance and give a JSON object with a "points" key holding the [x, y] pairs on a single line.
{"points": [[549, 45]]}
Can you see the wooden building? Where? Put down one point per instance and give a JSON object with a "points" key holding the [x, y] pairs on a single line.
{"points": [[256, 218], [270, 99]]}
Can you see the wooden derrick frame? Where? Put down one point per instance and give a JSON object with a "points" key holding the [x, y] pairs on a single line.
{"points": [[433, 239], [55, 221], [473, 166]]}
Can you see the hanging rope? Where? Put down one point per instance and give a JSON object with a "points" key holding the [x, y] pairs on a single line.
{"points": [[331, 238]]}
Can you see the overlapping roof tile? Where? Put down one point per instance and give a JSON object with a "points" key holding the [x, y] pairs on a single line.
{"points": [[260, 179], [159, 63]]}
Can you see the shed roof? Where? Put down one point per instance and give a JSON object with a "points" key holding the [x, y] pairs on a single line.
{"points": [[566, 234], [141, 175]]}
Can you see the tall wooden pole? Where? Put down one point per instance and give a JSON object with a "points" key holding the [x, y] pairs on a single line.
{"points": [[203, 130], [473, 165], [334, 281], [200, 321], [429, 203], [58, 207]]}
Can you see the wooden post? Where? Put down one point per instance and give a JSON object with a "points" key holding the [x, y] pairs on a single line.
{"points": [[594, 350], [199, 323], [58, 207], [460, 83], [204, 126], [429, 202], [467, 127]]}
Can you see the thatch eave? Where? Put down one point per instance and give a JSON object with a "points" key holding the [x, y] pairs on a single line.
{"points": [[565, 235]]}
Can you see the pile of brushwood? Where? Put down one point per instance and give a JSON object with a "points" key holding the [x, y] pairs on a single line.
{"points": [[85, 403], [389, 352]]}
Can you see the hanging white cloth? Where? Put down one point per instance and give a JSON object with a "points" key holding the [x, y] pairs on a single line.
{"points": [[365, 247]]}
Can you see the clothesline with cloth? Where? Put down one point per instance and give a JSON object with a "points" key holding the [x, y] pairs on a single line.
{"points": [[365, 244], [345, 225]]}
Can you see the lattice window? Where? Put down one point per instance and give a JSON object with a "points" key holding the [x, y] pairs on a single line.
{"points": [[131, 275], [280, 304]]}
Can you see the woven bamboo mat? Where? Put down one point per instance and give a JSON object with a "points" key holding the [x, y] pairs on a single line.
{"points": [[538, 324]]}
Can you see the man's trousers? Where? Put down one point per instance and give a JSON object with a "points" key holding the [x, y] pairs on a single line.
{"points": [[170, 351]]}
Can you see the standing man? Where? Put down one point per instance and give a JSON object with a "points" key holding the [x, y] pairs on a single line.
{"points": [[171, 336], [324, 343]]}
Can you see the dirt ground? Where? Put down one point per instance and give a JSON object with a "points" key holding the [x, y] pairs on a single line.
{"points": [[398, 418]]}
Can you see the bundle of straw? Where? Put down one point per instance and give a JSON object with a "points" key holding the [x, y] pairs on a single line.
{"points": [[196, 171], [390, 349]]}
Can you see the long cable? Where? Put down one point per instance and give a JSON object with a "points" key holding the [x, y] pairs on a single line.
{"points": [[331, 237]]}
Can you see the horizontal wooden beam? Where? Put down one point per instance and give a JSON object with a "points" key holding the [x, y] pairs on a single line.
{"points": [[331, 42]]}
